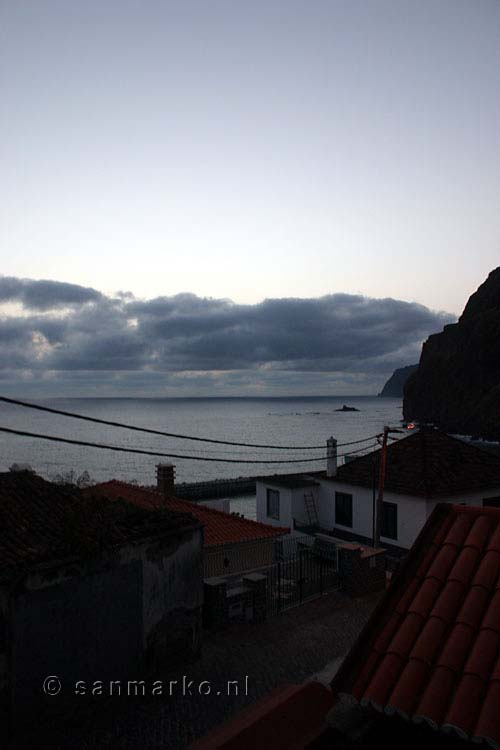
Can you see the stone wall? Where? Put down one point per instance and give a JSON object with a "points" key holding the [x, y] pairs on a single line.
{"points": [[119, 616], [228, 602], [362, 569]]}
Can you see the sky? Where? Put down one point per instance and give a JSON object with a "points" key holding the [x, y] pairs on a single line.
{"points": [[241, 198]]}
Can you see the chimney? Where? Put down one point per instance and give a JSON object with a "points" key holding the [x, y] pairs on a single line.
{"points": [[165, 478], [331, 457]]}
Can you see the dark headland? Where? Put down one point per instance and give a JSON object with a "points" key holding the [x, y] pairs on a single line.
{"points": [[394, 387], [457, 383]]}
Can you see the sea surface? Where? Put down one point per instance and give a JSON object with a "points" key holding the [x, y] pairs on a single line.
{"points": [[305, 421]]}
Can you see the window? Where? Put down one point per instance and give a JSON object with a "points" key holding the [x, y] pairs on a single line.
{"points": [[389, 525], [343, 509], [273, 504]]}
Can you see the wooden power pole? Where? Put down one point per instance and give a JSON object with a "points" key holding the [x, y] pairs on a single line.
{"points": [[381, 483]]}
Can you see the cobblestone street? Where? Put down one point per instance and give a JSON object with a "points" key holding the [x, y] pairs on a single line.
{"points": [[287, 648]]}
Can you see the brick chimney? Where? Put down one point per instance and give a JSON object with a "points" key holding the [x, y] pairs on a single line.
{"points": [[331, 457], [165, 478]]}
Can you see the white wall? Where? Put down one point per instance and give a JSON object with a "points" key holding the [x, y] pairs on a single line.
{"points": [[286, 516], [222, 504], [413, 511], [467, 498]]}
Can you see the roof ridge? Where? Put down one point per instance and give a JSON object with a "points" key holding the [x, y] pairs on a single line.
{"points": [[188, 503]]}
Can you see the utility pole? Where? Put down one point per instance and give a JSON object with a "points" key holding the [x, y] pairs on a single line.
{"points": [[381, 483]]}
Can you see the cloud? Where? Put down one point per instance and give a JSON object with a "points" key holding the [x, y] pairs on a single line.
{"points": [[44, 294], [187, 341]]}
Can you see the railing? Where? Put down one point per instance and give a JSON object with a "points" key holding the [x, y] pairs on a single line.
{"points": [[308, 573]]}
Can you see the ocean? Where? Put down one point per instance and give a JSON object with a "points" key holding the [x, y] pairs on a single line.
{"points": [[281, 421]]}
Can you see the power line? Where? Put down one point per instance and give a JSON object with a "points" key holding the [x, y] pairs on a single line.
{"points": [[103, 446], [172, 434]]}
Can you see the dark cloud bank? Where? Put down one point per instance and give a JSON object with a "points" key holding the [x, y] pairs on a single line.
{"points": [[70, 339]]}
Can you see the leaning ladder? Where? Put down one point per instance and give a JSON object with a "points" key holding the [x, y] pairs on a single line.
{"points": [[311, 510]]}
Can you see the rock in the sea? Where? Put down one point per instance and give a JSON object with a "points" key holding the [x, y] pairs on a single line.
{"points": [[347, 408], [457, 383], [395, 385]]}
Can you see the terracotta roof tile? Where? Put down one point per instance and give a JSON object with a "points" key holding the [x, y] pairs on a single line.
{"points": [[427, 561], [492, 617], [494, 541], [291, 717], [438, 636], [436, 698], [365, 675], [480, 533], [488, 570], [404, 695], [387, 634], [449, 600], [474, 606], [220, 528], [487, 727], [425, 597], [456, 648], [406, 635], [466, 706], [483, 655], [429, 641], [381, 684], [459, 531], [495, 675], [464, 566], [407, 597], [443, 562], [43, 524]]}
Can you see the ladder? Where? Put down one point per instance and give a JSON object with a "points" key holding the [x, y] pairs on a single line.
{"points": [[311, 510]]}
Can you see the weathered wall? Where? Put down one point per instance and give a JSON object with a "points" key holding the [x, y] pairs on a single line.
{"points": [[88, 628], [105, 619], [172, 597], [4, 666], [237, 558], [362, 571]]}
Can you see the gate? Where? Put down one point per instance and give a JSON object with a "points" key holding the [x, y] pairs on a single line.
{"points": [[303, 573]]}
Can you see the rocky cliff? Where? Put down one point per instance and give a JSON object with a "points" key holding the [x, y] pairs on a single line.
{"points": [[457, 384], [396, 383]]}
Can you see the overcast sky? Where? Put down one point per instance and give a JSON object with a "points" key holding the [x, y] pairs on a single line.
{"points": [[291, 192]]}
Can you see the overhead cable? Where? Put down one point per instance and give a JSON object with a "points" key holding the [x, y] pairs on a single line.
{"points": [[104, 446], [110, 423]]}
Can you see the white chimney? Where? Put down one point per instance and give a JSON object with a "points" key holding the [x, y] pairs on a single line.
{"points": [[331, 457], [165, 478]]}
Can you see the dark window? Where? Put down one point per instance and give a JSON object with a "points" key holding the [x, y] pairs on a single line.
{"points": [[389, 525], [343, 509], [273, 504]]}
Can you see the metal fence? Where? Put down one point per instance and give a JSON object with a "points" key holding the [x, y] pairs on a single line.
{"points": [[303, 572]]}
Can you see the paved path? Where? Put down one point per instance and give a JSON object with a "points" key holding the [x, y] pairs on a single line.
{"points": [[290, 647]]}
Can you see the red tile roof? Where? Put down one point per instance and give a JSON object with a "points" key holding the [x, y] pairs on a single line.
{"points": [[428, 463], [291, 717], [431, 650], [220, 528], [42, 524]]}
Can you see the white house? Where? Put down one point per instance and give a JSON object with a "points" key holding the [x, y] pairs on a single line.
{"points": [[423, 469]]}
